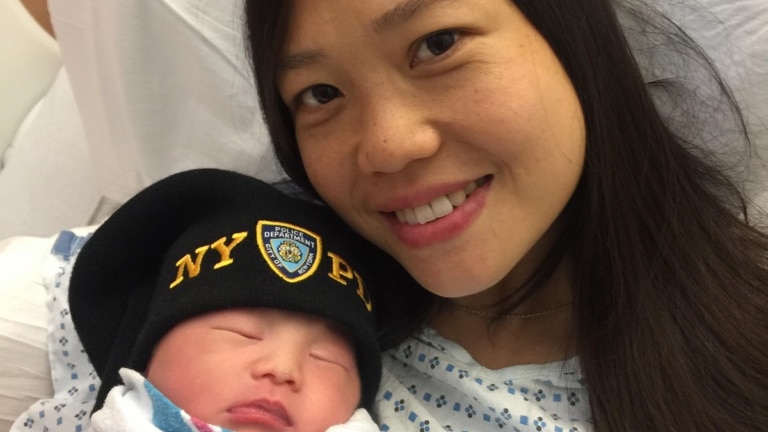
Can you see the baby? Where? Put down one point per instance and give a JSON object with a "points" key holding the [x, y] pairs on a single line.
{"points": [[218, 300]]}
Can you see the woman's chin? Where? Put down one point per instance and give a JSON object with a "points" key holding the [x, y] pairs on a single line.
{"points": [[449, 284]]}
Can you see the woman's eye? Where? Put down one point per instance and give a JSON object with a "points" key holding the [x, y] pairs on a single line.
{"points": [[319, 94], [436, 45]]}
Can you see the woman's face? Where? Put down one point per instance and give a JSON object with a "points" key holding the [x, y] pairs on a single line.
{"points": [[445, 131]]}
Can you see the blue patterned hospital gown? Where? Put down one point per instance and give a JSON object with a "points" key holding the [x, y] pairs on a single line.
{"points": [[433, 384]]}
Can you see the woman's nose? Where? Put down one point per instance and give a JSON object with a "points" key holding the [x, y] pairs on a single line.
{"points": [[394, 133]]}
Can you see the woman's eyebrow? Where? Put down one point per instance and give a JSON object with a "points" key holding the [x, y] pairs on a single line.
{"points": [[388, 21], [402, 13], [299, 60]]}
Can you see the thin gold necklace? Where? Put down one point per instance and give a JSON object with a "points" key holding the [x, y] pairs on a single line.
{"points": [[490, 314]]}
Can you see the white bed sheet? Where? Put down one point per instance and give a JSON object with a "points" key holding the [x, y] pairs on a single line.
{"points": [[25, 374], [48, 182]]}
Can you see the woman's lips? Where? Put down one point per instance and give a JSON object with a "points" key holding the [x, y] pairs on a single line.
{"points": [[432, 227], [438, 207]]}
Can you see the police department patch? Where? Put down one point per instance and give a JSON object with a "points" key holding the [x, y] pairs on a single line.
{"points": [[291, 251]]}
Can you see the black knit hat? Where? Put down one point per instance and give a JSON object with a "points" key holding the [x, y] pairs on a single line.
{"points": [[205, 240]]}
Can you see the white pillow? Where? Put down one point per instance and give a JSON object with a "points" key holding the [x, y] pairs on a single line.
{"points": [[735, 34], [162, 86], [48, 182]]}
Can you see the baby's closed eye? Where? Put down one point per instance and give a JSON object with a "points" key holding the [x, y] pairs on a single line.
{"points": [[337, 355], [240, 332]]}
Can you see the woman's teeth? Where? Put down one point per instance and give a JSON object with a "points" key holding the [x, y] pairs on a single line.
{"points": [[439, 207]]}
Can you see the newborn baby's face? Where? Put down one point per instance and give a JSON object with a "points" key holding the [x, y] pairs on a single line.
{"points": [[258, 370]]}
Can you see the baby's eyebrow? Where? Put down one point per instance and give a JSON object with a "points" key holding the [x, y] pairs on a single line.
{"points": [[402, 13]]}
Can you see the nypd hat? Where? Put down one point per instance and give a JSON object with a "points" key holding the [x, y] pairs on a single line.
{"points": [[208, 239]]}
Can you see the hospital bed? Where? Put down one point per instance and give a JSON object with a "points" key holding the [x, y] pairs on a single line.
{"points": [[132, 91]]}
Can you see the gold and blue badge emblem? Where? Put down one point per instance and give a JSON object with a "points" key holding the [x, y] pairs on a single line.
{"points": [[291, 251]]}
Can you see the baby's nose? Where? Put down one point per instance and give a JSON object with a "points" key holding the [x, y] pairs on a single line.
{"points": [[279, 367]]}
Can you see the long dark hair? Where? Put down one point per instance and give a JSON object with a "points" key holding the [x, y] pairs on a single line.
{"points": [[671, 278]]}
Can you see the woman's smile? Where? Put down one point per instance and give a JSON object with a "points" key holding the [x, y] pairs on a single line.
{"points": [[443, 217], [438, 207]]}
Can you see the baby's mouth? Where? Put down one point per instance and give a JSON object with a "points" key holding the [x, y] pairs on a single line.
{"points": [[438, 207], [263, 411]]}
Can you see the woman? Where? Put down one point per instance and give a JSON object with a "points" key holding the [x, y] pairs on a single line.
{"points": [[585, 266]]}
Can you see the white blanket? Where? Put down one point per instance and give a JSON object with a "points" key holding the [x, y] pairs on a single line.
{"points": [[138, 406]]}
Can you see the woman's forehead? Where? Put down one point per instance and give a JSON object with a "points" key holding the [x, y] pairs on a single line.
{"points": [[378, 15], [325, 24]]}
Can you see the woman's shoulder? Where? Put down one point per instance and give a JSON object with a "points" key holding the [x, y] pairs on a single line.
{"points": [[431, 381]]}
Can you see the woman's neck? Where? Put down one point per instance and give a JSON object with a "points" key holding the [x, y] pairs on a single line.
{"points": [[538, 331]]}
